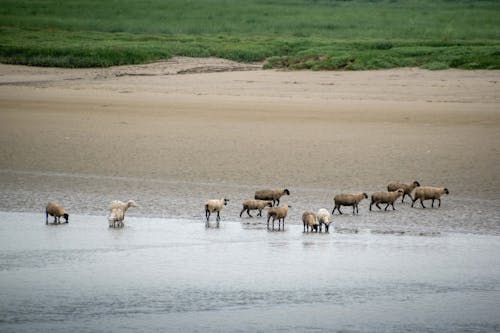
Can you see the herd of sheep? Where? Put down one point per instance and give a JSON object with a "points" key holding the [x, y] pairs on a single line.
{"points": [[271, 199]]}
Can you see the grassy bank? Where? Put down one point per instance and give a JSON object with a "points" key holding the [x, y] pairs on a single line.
{"points": [[313, 34]]}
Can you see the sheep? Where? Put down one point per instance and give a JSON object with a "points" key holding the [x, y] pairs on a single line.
{"points": [[251, 204], [309, 220], [386, 197], [323, 217], [429, 193], [349, 200], [56, 210], [273, 195], [277, 213], [407, 187], [117, 211], [214, 205]]}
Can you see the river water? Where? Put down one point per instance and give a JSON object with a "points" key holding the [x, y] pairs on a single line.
{"points": [[175, 275]]}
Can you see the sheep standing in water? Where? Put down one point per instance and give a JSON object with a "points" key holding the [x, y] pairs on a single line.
{"points": [[349, 200], [429, 193], [212, 206], [323, 217], [273, 195], [309, 221], [407, 187], [251, 204], [277, 213], [56, 210], [117, 211], [386, 197]]}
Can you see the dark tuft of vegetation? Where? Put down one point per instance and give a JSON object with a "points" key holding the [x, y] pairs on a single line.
{"points": [[290, 34]]}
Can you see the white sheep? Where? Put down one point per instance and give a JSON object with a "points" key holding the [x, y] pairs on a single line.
{"points": [[309, 221], [117, 211], [407, 187], [251, 204], [278, 213], [214, 205], [56, 210], [349, 200], [429, 193], [273, 195], [323, 217], [386, 197]]}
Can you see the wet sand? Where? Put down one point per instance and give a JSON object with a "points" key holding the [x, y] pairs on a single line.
{"points": [[207, 128]]}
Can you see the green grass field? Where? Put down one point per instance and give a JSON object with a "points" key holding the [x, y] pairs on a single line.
{"points": [[294, 34]]}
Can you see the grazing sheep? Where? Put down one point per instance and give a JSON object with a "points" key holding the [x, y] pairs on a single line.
{"points": [[277, 213], [429, 193], [117, 211], [273, 195], [407, 187], [386, 197], [323, 217], [214, 205], [56, 210], [309, 220], [349, 200], [251, 204]]}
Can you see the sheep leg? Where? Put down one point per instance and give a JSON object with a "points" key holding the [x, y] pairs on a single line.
{"points": [[422, 203], [242, 211], [327, 226], [339, 210], [393, 208], [248, 212], [376, 204], [353, 209], [386, 206], [357, 209], [46, 217], [432, 204], [439, 202], [260, 213], [403, 198], [371, 203], [218, 216]]}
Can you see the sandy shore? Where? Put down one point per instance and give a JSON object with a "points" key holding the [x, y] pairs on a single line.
{"points": [[210, 121]]}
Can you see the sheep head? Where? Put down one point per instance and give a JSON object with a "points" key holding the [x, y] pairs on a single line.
{"points": [[365, 195], [132, 203], [285, 191], [446, 191], [417, 184], [226, 201]]}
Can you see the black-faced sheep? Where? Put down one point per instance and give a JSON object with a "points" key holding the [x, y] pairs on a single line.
{"points": [[429, 193], [214, 205], [323, 217], [277, 213], [117, 212], [407, 187], [309, 221], [273, 195], [386, 197], [349, 200], [251, 204], [56, 210]]}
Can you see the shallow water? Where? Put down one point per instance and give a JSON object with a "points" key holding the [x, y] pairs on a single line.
{"points": [[160, 274]]}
